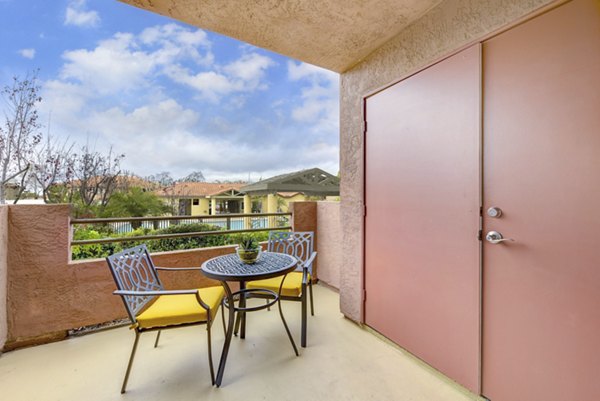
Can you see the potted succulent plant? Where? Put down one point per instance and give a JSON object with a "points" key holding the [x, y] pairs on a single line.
{"points": [[248, 249]]}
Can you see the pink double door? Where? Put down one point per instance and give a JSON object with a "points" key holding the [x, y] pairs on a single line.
{"points": [[503, 137]]}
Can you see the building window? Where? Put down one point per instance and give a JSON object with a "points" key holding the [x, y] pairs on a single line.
{"points": [[196, 202]]}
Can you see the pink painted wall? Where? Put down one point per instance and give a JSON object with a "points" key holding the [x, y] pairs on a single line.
{"points": [[329, 236], [323, 218]]}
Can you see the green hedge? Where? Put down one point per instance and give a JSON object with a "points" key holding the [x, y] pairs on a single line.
{"points": [[159, 245]]}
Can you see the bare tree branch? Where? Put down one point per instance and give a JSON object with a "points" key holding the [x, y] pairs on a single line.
{"points": [[19, 133]]}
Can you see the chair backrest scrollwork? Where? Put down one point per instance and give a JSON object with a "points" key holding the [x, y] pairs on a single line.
{"points": [[133, 270], [299, 244]]}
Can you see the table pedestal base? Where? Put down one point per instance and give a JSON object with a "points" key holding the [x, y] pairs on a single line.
{"points": [[229, 303]]}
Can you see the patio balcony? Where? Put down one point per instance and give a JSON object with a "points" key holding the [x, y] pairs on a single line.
{"points": [[342, 362], [467, 120]]}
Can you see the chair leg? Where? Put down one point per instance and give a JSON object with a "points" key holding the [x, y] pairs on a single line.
{"points": [[303, 334], [312, 306], [267, 301], [223, 318], [210, 359], [237, 322], [135, 344], [157, 338]]}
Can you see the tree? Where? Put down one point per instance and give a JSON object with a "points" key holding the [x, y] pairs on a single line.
{"points": [[196, 176], [135, 203], [167, 189], [164, 179], [19, 133], [128, 180], [95, 179], [53, 163]]}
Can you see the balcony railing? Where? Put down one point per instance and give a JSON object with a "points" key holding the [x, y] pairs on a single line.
{"points": [[100, 237]]}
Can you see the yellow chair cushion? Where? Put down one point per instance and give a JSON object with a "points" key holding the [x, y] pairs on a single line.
{"points": [[170, 310], [292, 286]]}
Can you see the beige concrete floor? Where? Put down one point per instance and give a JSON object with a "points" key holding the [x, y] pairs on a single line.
{"points": [[341, 362]]}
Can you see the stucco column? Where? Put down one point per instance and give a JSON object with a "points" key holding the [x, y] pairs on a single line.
{"points": [[204, 205], [247, 210], [213, 206], [271, 203], [304, 218], [247, 204], [3, 274]]}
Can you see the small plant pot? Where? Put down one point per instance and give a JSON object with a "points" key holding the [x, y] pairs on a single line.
{"points": [[248, 256]]}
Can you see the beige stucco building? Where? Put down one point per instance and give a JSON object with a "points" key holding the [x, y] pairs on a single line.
{"points": [[205, 198], [271, 195]]}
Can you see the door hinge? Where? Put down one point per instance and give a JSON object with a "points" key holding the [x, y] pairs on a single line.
{"points": [[364, 210], [364, 295], [480, 235], [364, 126]]}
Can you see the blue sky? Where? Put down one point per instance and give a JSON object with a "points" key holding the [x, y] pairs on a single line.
{"points": [[169, 96]]}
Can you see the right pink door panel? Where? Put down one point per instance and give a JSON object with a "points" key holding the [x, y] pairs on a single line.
{"points": [[541, 324]]}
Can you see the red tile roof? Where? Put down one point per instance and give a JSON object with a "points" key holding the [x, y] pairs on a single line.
{"points": [[197, 189]]}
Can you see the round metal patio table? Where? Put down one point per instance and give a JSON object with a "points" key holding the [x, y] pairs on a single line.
{"points": [[229, 268]]}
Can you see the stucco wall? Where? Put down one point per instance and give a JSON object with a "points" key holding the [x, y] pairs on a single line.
{"points": [[47, 295], [329, 236], [202, 208], [448, 27], [3, 272]]}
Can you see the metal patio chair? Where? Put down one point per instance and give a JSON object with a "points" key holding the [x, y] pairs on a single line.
{"points": [[301, 246], [152, 308]]}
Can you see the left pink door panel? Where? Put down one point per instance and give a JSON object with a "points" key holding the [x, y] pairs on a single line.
{"points": [[422, 197]]}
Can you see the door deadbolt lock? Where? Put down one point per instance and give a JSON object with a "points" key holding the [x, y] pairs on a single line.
{"points": [[494, 212]]}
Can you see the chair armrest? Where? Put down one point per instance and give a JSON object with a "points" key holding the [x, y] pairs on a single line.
{"points": [[307, 267], [309, 262], [177, 268], [154, 293]]}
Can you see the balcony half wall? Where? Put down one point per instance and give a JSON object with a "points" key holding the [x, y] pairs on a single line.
{"points": [[43, 294]]}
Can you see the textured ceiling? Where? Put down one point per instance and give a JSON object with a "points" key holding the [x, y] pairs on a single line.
{"points": [[334, 34]]}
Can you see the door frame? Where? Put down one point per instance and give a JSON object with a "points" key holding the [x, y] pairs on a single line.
{"points": [[536, 13]]}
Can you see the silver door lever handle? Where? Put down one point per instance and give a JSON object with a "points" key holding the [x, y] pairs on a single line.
{"points": [[494, 237]]}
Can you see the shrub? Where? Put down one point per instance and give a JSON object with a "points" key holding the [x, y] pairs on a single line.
{"points": [[86, 251], [172, 244], [160, 245]]}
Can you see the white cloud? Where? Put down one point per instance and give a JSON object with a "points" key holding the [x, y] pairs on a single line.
{"points": [[320, 99], [210, 84], [121, 92], [113, 66], [245, 74], [126, 61], [27, 53], [176, 42], [250, 68], [308, 71], [163, 136], [78, 15], [65, 102], [166, 136]]}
